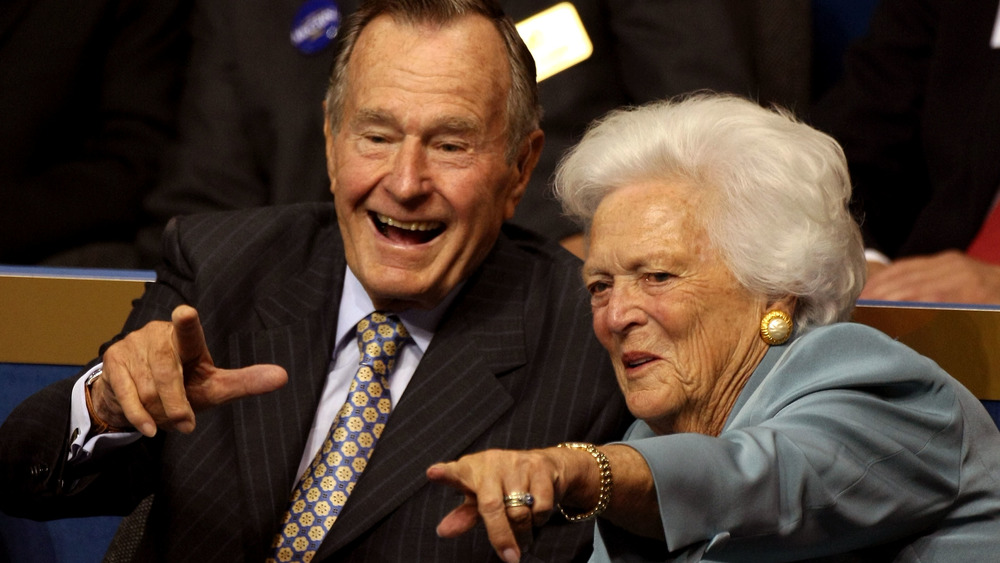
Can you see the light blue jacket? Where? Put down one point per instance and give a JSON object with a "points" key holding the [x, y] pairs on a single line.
{"points": [[843, 443]]}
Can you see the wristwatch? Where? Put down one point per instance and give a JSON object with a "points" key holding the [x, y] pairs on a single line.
{"points": [[98, 426], [93, 377]]}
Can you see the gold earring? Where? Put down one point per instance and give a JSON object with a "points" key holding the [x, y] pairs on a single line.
{"points": [[775, 328]]}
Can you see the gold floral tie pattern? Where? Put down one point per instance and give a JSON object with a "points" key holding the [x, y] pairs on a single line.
{"points": [[323, 489]]}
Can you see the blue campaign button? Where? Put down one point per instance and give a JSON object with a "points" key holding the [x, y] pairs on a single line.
{"points": [[315, 25]]}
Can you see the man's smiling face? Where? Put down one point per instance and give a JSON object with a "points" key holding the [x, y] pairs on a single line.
{"points": [[418, 169]]}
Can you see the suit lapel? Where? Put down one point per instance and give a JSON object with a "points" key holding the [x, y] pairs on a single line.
{"points": [[456, 395], [298, 319]]}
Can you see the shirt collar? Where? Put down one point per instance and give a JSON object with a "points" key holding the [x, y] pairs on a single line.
{"points": [[356, 305]]}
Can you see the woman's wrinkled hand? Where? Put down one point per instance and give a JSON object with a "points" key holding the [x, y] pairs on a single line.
{"points": [[486, 477]]}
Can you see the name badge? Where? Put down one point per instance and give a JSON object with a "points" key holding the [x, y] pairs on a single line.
{"points": [[995, 40], [315, 25], [556, 38]]}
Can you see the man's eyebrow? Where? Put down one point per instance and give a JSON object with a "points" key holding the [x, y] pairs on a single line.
{"points": [[455, 125], [448, 124], [372, 117]]}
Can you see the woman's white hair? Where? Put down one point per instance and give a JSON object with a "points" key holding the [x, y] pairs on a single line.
{"points": [[778, 207]]}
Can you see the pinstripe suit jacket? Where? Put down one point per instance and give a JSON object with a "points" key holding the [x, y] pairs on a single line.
{"points": [[513, 364]]}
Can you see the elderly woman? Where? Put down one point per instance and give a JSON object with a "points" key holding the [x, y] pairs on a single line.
{"points": [[723, 265]]}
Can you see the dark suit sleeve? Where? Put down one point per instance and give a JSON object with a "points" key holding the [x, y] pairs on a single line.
{"points": [[251, 120], [38, 483], [35, 479], [875, 113], [213, 165], [213, 145], [671, 47], [92, 106]]}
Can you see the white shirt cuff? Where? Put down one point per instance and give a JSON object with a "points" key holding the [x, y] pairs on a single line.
{"points": [[84, 447], [873, 255]]}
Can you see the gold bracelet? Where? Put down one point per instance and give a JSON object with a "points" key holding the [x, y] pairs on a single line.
{"points": [[603, 493], [100, 427]]}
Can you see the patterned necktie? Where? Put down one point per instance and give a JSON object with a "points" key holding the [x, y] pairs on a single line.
{"points": [[323, 489]]}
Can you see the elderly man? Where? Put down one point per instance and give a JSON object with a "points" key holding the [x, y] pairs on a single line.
{"points": [[224, 397]]}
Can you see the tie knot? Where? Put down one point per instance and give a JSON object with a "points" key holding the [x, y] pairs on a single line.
{"points": [[380, 337]]}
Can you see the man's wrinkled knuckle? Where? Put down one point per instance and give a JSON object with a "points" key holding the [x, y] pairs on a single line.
{"points": [[115, 359]]}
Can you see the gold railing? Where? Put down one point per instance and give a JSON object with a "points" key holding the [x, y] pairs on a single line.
{"points": [[63, 318]]}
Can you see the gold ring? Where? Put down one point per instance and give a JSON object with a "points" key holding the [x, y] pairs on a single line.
{"points": [[517, 498]]}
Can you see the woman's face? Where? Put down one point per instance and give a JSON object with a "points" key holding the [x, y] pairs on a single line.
{"points": [[681, 331]]}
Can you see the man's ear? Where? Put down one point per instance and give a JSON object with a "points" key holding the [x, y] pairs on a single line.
{"points": [[328, 135], [524, 165]]}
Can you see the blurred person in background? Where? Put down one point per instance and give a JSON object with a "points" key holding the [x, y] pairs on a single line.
{"points": [[88, 99], [917, 114]]}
